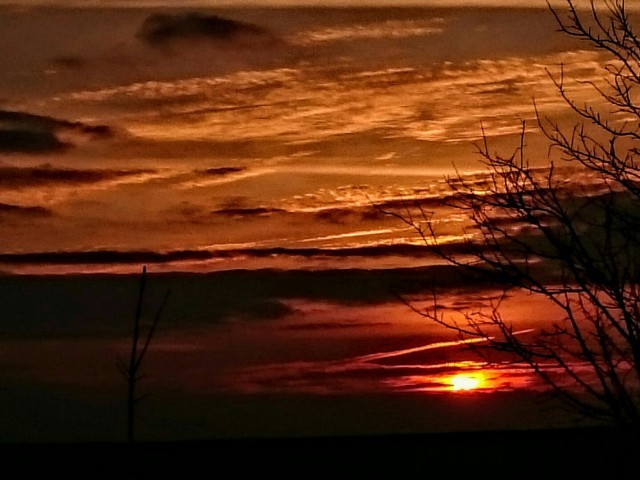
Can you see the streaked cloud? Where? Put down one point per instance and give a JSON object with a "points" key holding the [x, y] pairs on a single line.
{"points": [[444, 103], [216, 176], [374, 30]]}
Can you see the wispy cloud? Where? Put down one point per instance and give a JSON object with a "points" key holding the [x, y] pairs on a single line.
{"points": [[217, 176], [445, 103], [194, 96], [373, 30]]}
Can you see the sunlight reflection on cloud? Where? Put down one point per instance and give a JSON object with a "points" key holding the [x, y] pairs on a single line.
{"points": [[365, 374], [387, 29], [442, 104]]}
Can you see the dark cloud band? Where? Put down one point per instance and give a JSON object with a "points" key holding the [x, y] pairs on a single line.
{"points": [[22, 132], [163, 29], [17, 177], [138, 257], [21, 211]]}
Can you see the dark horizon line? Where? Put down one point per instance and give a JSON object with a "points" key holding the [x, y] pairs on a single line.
{"points": [[110, 256]]}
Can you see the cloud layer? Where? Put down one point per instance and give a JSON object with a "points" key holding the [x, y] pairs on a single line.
{"points": [[265, 294]]}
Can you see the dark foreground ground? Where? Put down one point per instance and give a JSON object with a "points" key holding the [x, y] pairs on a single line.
{"points": [[570, 453]]}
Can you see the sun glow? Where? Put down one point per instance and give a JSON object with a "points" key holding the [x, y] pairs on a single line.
{"points": [[466, 382]]}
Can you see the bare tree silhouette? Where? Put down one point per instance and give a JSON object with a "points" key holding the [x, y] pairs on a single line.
{"points": [[532, 229], [130, 370]]}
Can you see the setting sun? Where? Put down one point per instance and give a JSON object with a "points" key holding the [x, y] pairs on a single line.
{"points": [[466, 382]]}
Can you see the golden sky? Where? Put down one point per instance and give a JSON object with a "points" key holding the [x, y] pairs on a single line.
{"points": [[245, 130]]}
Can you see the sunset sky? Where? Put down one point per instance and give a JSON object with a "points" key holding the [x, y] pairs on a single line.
{"points": [[261, 146], [293, 129]]}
